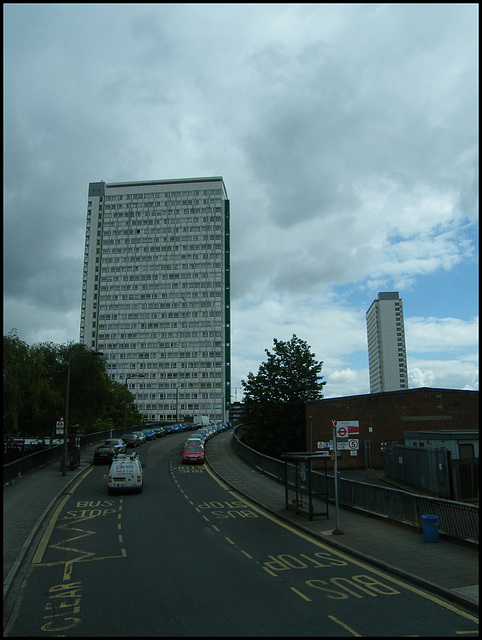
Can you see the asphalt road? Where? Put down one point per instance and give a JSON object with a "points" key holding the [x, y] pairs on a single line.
{"points": [[189, 557]]}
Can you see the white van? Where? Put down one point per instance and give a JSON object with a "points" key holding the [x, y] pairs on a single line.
{"points": [[125, 473]]}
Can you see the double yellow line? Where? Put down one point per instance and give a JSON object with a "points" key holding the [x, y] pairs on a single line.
{"points": [[39, 553]]}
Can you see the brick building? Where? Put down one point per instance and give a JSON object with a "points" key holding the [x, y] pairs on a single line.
{"points": [[384, 417]]}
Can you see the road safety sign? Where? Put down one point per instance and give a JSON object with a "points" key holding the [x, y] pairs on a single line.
{"points": [[345, 445]]}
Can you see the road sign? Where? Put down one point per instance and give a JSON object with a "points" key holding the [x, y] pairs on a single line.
{"points": [[323, 445], [341, 431], [347, 445], [347, 428], [59, 427], [333, 423]]}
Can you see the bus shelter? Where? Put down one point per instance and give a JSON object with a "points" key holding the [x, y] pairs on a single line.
{"points": [[305, 491]]}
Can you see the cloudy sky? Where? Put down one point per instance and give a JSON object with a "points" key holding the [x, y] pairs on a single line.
{"points": [[347, 137]]}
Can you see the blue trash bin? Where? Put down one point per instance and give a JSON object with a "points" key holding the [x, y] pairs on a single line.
{"points": [[430, 528]]}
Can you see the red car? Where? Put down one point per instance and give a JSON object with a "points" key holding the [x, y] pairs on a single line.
{"points": [[193, 454]]}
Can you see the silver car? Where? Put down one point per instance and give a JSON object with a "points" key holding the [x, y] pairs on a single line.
{"points": [[118, 444]]}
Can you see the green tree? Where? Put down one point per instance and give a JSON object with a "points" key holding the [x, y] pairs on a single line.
{"points": [[17, 374], [35, 387], [274, 399], [89, 386], [49, 388]]}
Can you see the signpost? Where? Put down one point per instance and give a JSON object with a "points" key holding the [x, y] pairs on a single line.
{"points": [[345, 438], [337, 531]]}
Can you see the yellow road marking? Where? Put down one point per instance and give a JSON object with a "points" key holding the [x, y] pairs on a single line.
{"points": [[345, 626], [67, 571], [81, 560], [37, 559], [302, 595], [386, 576], [224, 486]]}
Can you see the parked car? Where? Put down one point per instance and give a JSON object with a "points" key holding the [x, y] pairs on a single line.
{"points": [[125, 473], [193, 454], [204, 432], [140, 435], [194, 440], [118, 444], [149, 433], [104, 454], [169, 429], [131, 440], [159, 431]]}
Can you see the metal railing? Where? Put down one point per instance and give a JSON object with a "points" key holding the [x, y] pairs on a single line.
{"points": [[23, 465], [32, 461], [456, 519]]}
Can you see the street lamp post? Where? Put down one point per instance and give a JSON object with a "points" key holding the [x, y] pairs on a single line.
{"points": [[137, 375], [67, 397]]}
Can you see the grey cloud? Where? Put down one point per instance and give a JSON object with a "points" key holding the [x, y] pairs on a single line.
{"points": [[339, 131], [343, 119]]}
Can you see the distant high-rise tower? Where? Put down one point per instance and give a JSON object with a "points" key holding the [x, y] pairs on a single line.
{"points": [[155, 294], [387, 357]]}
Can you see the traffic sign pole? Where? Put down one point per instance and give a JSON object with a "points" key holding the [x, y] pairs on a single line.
{"points": [[336, 531]]}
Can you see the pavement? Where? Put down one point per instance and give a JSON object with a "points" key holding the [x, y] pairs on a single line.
{"points": [[447, 567]]}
